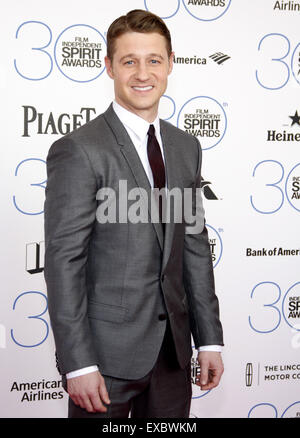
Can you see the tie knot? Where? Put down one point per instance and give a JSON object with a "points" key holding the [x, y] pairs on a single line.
{"points": [[151, 130]]}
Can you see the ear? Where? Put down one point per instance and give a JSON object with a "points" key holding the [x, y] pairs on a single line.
{"points": [[108, 65], [171, 59]]}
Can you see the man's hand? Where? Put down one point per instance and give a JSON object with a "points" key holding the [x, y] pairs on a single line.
{"points": [[89, 392], [211, 369]]}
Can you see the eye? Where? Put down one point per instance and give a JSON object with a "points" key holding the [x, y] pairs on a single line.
{"points": [[129, 62], [154, 61]]}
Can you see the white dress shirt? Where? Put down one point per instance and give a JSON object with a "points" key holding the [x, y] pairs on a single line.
{"points": [[137, 129]]}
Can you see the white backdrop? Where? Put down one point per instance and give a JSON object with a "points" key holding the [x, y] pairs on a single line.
{"points": [[236, 84]]}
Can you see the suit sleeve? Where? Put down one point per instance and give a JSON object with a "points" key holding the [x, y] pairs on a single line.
{"points": [[198, 274], [70, 211]]}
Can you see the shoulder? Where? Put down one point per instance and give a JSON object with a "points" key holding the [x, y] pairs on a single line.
{"points": [[179, 137], [86, 132], [86, 138]]}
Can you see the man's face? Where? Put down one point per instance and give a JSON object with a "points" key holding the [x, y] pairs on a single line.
{"points": [[140, 70]]}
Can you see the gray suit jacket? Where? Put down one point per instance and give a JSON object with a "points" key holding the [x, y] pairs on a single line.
{"points": [[110, 285]]}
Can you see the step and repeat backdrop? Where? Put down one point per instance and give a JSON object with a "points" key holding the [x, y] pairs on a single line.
{"points": [[235, 86]]}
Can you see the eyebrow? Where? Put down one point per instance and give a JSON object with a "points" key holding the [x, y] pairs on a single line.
{"points": [[133, 55]]}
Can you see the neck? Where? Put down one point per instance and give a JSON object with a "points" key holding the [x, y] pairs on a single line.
{"points": [[147, 114]]}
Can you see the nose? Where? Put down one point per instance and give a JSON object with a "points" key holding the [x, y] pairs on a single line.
{"points": [[142, 73]]}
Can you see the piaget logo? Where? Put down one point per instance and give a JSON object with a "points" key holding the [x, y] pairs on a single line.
{"points": [[39, 122]]}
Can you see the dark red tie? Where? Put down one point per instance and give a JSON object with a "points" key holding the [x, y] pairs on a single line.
{"points": [[155, 159], [156, 163]]}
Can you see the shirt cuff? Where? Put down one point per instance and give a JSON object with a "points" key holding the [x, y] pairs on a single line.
{"points": [[217, 348], [82, 371]]}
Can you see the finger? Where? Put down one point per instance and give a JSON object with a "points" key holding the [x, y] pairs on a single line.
{"points": [[80, 402], [97, 403], [87, 404], [207, 387], [203, 378], [213, 380], [103, 392]]}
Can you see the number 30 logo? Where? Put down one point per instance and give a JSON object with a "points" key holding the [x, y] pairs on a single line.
{"points": [[270, 195], [38, 329], [78, 52], [275, 71]]}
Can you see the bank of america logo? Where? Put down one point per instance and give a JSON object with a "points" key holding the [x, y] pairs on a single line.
{"points": [[249, 374], [219, 57]]}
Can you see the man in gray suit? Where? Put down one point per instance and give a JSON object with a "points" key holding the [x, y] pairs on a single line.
{"points": [[125, 295]]}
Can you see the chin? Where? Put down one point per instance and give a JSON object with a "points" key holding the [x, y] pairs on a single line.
{"points": [[143, 105]]}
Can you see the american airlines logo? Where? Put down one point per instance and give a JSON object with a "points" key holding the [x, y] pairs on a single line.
{"points": [[219, 57], [207, 191]]}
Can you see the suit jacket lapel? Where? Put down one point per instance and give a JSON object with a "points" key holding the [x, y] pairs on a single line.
{"points": [[127, 148], [170, 166]]}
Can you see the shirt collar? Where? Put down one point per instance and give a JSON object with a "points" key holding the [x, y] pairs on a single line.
{"points": [[135, 123]]}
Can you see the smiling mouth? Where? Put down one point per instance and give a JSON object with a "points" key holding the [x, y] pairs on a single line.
{"points": [[148, 88]]}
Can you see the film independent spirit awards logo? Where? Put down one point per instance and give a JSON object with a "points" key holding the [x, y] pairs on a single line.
{"points": [[204, 118], [79, 53], [204, 10]]}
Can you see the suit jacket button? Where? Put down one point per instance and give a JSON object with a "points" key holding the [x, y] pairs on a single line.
{"points": [[162, 316]]}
